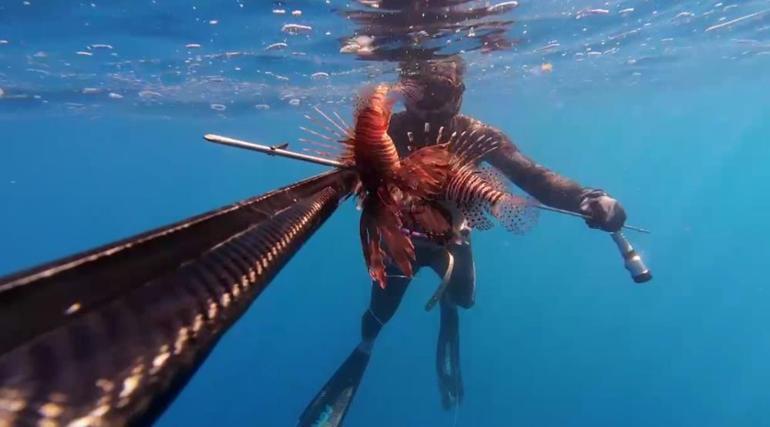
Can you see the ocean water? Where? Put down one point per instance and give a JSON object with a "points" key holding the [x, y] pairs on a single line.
{"points": [[663, 104]]}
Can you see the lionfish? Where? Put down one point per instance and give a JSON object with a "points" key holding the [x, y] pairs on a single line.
{"points": [[416, 193]]}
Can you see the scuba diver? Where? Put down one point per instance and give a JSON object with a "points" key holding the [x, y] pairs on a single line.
{"points": [[441, 87]]}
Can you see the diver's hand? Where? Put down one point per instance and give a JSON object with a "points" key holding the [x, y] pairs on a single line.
{"points": [[605, 212]]}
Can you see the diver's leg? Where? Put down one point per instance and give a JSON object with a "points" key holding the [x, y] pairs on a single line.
{"points": [[450, 380], [457, 263], [382, 306], [462, 287], [331, 404]]}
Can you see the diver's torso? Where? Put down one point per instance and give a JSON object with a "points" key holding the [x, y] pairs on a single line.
{"points": [[410, 133]]}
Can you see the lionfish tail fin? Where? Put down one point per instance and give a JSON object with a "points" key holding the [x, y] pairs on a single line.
{"points": [[373, 95], [517, 214], [408, 91]]}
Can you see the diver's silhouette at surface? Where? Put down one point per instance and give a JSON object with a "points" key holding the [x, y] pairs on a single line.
{"points": [[440, 85]]}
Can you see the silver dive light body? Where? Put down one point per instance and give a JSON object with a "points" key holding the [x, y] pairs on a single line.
{"points": [[633, 261]]}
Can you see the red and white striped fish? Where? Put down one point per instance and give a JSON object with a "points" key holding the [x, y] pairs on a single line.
{"points": [[412, 193], [476, 192]]}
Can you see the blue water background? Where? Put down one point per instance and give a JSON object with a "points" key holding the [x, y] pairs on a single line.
{"points": [[559, 336]]}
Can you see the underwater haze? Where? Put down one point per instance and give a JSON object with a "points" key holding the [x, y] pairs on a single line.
{"points": [[664, 104]]}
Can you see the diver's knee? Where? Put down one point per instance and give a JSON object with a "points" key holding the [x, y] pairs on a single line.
{"points": [[365, 346], [466, 303], [462, 295], [371, 325]]}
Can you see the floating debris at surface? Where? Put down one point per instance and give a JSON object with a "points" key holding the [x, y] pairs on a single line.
{"points": [[149, 94], [590, 12], [550, 46], [736, 20], [503, 7], [295, 29], [277, 46], [682, 15], [360, 45]]}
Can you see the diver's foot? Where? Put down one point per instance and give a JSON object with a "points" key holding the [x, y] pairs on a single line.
{"points": [[450, 381], [451, 388], [331, 404]]}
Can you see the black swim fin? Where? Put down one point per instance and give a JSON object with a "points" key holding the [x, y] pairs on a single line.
{"points": [[330, 405], [450, 380]]}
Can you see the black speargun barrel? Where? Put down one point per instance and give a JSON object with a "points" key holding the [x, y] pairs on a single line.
{"points": [[110, 336]]}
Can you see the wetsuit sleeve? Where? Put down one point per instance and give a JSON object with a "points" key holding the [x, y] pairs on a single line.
{"points": [[540, 182]]}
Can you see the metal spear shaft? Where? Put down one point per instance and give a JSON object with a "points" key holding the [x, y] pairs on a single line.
{"points": [[633, 261]]}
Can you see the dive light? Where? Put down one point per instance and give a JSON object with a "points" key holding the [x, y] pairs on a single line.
{"points": [[633, 261]]}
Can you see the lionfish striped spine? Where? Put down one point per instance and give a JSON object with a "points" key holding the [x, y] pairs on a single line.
{"points": [[466, 186], [374, 152], [411, 193], [478, 191]]}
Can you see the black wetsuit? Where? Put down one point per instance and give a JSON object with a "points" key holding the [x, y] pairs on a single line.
{"points": [[408, 133], [452, 262]]}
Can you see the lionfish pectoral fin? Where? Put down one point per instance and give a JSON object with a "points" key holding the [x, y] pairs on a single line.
{"points": [[399, 246], [474, 214], [377, 273], [383, 238], [494, 178], [517, 214], [370, 243]]}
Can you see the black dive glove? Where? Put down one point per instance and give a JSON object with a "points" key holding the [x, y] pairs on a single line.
{"points": [[605, 212]]}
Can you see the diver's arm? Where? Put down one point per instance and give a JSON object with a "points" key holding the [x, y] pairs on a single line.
{"points": [[553, 189], [540, 182]]}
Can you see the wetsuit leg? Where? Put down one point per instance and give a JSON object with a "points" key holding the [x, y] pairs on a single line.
{"points": [[450, 381], [462, 285], [383, 305], [460, 291], [331, 404]]}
